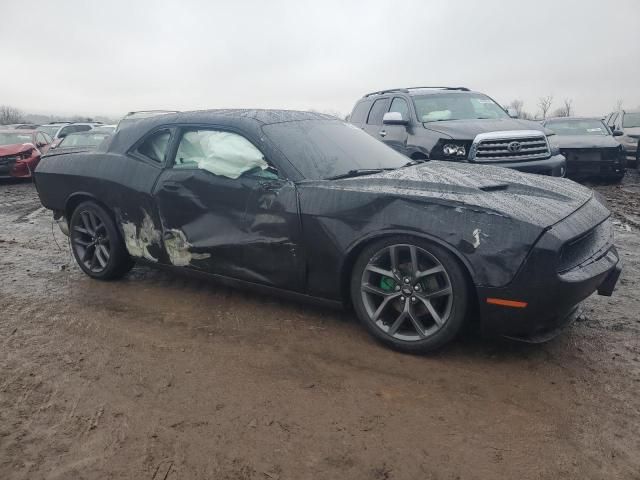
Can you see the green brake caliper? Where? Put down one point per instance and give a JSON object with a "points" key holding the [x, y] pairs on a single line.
{"points": [[387, 284]]}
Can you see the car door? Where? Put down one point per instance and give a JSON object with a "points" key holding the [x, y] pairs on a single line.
{"points": [[226, 211], [42, 143], [396, 135], [374, 126]]}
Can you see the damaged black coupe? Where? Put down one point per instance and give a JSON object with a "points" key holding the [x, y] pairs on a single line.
{"points": [[307, 204]]}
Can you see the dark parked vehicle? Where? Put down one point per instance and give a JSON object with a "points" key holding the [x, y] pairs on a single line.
{"points": [[307, 204], [20, 152], [626, 125], [456, 124], [589, 147]]}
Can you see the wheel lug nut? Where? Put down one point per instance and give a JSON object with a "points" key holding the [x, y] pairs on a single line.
{"points": [[406, 280], [402, 299], [413, 299], [397, 288], [416, 288]]}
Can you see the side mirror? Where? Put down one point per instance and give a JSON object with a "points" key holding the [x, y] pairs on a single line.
{"points": [[394, 118], [512, 112], [617, 133]]}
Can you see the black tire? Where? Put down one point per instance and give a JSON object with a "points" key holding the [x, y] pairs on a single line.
{"points": [[393, 331], [96, 243]]}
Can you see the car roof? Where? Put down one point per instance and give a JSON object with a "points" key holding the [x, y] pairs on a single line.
{"points": [[249, 120]]}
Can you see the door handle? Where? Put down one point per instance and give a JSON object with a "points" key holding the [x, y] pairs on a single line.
{"points": [[382, 133], [171, 186]]}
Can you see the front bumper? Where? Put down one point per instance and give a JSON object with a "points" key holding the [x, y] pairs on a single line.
{"points": [[18, 168], [602, 167], [554, 166], [544, 297]]}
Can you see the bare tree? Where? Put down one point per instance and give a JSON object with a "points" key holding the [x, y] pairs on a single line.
{"points": [[619, 103], [565, 110], [518, 106], [568, 106], [10, 115], [544, 103]]}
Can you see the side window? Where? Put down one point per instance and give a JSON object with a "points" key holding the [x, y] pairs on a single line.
{"points": [[40, 140], [47, 138], [360, 112], [66, 131], [377, 111], [222, 153], [155, 146], [400, 105], [81, 128], [612, 120]]}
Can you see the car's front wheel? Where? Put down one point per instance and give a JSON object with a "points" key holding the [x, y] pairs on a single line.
{"points": [[410, 294], [96, 243]]}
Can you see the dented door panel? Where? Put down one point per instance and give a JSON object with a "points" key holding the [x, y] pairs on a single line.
{"points": [[243, 228]]}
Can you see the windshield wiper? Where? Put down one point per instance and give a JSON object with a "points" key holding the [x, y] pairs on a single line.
{"points": [[415, 161], [357, 173]]}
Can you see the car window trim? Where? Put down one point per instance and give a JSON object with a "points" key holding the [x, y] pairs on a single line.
{"points": [[133, 150], [385, 98], [182, 127], [407, 102]]}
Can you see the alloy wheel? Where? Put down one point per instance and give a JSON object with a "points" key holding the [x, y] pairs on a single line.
{"points": [[91, 242], [406, 292]]}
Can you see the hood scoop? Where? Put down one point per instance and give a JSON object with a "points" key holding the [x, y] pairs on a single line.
{"points": [[496, 187]]}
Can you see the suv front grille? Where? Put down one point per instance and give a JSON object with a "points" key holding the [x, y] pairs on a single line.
{"points": [[510, 146], [581, 249]]}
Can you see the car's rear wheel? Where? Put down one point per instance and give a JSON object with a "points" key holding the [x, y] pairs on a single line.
{"points": [[410, 294], [96, 243]]}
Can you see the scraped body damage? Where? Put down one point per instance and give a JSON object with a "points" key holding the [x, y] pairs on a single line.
{"points": [[141, 239]]}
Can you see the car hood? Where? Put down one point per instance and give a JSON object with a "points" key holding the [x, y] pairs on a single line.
{"points": [[15, 148], [539, 200], [584, 141], [635, 131], [468, 129]]}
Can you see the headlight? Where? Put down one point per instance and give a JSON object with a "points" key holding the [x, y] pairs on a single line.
{"points": [[452, 150], [25, 155], [554, 149]]}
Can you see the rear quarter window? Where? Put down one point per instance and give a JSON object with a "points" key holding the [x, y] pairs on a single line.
{"points": [[360, 111]]}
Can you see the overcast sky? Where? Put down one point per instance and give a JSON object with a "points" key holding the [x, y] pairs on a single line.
{"points": [[109, 57]]}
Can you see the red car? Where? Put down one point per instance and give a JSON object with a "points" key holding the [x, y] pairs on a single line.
{"points": [[20, 152]]}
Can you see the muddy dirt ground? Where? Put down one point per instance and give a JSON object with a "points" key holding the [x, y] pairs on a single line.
{"points": [[163, 377]]}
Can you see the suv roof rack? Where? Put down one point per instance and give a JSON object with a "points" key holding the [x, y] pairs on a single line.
{"points": [[463, 89], [380, 92], [406, 90]]}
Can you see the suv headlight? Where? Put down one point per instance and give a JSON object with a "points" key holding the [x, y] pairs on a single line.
{"points": [[452, 150]]}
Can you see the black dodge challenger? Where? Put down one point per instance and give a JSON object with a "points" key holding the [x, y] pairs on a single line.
{"points": [[589, 147], [306, 204]]}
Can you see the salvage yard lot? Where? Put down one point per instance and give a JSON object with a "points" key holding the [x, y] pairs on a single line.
{"points": [[160, 376]]}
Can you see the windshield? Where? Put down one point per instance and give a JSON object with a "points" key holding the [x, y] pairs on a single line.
{"points": [[12, 138], [456, 106], [321, 149], [631, 120], [83, 140], [577, 127], [49, 130]]}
